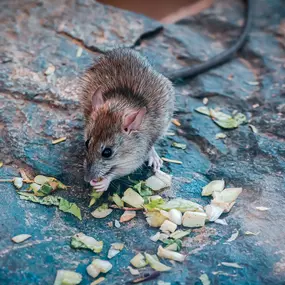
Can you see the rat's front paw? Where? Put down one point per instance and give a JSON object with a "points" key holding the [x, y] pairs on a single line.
{"points": [[100, 186], [154, 160]]}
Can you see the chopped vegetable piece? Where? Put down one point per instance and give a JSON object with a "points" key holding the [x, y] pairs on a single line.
{"points": [[138, 261], [203, 110], [71, 208], [213, 186], [173, 247], [171, 160], [231, 264], [180, 234], [117, 200], [102, 212], [66, 277], [79, 51], [226, 206], [117, 224], [155, 219], [221, 222], [228, 195], [143, 189], [240, 118], [248, 233], [41, 179], [165, 253], [179, 145], [1, 163], [155, 264], [155, 237], [170, 134], [193, 219], [165, 214], [50, 70], [127, 216], [205, 101], [35, 188], [168, 226], [205, 279], [163, 237], [253, 128], [175, 216], [94, 196], [173, 244], [154, 204], [262, 208], [181, 205], [115, 249], [20, 238], [44, 190], [132, 198], [221, 136], [80, 240], [159, 181], [176, 122], [98, 266], [98, 281], [133, 271], [18, 182], [59, 140], [233, 236], [223, 273], [213, 212], [63, 204]]}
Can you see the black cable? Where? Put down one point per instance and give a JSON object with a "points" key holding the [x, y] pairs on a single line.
{"points": [[219, 59]]}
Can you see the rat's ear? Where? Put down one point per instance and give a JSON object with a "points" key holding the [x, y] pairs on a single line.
{"points": [[97, 99], [133, 119]]}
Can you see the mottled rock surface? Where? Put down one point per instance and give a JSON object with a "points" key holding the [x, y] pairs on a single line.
{"points": [[36, 108]]}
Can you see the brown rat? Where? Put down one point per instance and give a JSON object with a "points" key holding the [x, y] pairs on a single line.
{"points": [[127, 107]]}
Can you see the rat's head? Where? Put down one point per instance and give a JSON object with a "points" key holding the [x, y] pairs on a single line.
{"points": [[111, 137]]}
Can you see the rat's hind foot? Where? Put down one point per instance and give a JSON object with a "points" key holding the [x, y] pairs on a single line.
{"points": [[154, 160]]}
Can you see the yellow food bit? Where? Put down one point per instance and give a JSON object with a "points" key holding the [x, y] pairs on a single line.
{"points": [[171, 160], [59, 140], [176, 122]]}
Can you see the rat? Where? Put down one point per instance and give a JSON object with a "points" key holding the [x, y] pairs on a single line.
{"points": [[127, 107]]}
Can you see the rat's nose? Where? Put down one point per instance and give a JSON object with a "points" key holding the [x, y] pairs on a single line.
{"points": [[93, 182]]}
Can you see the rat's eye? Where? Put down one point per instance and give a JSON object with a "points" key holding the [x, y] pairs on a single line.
{"points": [[87, 143], [107, 152]]}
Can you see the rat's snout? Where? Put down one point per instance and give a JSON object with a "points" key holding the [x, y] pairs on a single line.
{"points": [[91, 174]]}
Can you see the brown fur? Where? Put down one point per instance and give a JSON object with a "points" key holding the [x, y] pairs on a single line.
{"points": [[128, 82]]}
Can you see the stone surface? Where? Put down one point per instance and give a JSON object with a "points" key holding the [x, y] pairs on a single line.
{"points": [[36, 108]]}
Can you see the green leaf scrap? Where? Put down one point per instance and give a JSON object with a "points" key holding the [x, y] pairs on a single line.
{"points": [[142, 189], [60, 202]]}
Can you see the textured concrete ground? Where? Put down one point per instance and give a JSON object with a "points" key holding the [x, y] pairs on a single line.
{"points": [[35, 108]]}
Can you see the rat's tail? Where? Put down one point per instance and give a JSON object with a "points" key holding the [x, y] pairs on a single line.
{"points": [[219, 59]]}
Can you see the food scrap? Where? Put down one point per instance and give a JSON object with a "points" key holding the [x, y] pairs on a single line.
{"points": [[179, 145], [231, 264], [50, 70], [155, 263], [171, 160], [176, 122], [205, 279], [133, 271], [234, 236], [18, 182], [66, 277], [80, 240], [59, 140], [138, 261], [98, 266], [115, 249], [102, 212], [159, 181], [20, 238], [127, 216], [98, 281], [79, 52], [262, 208], [221, 119], [221, 136], [60, 202]]}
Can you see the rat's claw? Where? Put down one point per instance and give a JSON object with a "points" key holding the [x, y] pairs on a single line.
{"points": [[154, 160], [102, 185]]}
